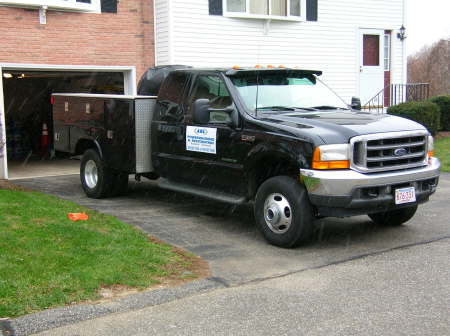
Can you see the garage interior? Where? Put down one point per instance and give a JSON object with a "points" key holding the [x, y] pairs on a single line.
{"points": [[28, 111]]}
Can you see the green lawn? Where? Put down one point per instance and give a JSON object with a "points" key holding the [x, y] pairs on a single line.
{"points": [[442, 151], [47, 260]]}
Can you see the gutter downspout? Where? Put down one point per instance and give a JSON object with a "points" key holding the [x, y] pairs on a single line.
{"points": [[3, 153]]}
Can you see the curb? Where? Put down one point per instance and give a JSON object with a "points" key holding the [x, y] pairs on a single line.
{"points": [[5, 327], [58, 317]]}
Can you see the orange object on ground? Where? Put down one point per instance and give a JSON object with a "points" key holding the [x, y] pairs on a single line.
{"points": [[77, 216]]}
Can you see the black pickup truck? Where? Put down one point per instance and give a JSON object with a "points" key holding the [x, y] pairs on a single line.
{"points": [[278, 138]]}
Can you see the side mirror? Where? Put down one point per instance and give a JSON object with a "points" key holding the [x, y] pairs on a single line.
{"points": [[201, 111], [356, 103]]}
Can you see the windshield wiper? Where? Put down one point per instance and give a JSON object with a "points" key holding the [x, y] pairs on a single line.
{"points": [[328, 107], [284, 108], [275, 108]]}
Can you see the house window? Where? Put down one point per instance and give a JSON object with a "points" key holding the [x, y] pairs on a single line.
{"points": [[73, 5], [270, 9], [387, 52]]}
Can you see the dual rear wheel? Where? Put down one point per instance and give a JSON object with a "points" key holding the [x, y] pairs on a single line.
{"points": [[97, 180]]}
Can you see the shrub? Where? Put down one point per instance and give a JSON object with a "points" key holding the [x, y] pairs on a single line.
{"points": [[424, 112], [444, 105]]}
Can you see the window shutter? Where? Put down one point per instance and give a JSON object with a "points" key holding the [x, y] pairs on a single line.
{"points": [[215, 7], [109, 6], [311, 10]]}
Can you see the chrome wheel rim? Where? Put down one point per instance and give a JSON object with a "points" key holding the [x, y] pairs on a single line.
{"points": [[277, 213], [91, 174]]}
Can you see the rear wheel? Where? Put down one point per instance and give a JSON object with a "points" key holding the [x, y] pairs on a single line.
{"points": [[96, 180], [283, 212], [394, 217]]}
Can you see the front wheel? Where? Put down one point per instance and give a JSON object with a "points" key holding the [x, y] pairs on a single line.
{"points": [[283, 212], [393, 217]]}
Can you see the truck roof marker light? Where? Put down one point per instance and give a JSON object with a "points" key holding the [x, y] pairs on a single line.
{"points": [[236, 67], [320, 164], [281, 66], [270, 66], [257, 66]]}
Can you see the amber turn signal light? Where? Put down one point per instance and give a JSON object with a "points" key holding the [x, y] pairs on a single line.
{"points": [[321, 164]]}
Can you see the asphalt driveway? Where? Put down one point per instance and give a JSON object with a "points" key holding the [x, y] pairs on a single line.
{"points": [[228, 239]]}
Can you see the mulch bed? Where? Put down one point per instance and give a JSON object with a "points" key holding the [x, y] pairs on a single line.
{"points": [[441, 135], [6, 185]]}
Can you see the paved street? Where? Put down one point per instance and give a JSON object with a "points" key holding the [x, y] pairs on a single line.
{"points": [[402, 292], [307, 288]]}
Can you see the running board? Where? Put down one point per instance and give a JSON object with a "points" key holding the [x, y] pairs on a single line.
{"points": [[199, 191]]}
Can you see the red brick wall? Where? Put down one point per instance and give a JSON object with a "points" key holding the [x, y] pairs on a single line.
{"points": [[125, 38]]}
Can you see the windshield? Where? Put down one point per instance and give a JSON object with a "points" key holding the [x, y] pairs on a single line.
{"points": [[285, 91]]}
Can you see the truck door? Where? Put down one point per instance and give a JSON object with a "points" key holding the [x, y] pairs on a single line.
{"points": [[168, 129], [218, 163]]}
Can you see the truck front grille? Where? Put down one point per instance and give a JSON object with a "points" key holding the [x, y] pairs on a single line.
{"points": [[389, 151]]}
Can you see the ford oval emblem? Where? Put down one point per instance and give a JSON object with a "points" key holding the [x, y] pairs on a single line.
{"points": [[201, 131], [400, 152]]}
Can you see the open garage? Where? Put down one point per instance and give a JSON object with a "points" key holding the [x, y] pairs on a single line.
{"points": [[27, 112]]}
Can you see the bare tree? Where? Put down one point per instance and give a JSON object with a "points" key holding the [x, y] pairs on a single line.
{"points": [[432, 65]]}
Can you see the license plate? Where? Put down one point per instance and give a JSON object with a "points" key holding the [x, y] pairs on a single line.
{"points": [[405, 195]]}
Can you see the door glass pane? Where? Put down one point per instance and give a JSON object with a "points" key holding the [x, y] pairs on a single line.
{"points": [[259, 7], [295, 8], [171, 97], [214, 89], [371, 50], [236, 5], [387, 51], [279, 8]]}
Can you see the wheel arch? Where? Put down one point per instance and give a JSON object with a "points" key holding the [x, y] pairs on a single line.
{"points": [[270, 161], [84, 144]]}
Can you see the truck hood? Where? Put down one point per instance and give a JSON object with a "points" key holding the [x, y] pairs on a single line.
{"points": [[338, 126]]}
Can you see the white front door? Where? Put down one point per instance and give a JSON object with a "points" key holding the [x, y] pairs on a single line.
{"points": [[371, 70]]}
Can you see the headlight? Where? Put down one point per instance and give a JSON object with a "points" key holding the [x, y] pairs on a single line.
{"points": [[430, 146], [331, 157]]}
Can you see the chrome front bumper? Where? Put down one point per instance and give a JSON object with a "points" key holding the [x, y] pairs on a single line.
{"points": [[351, 189]]}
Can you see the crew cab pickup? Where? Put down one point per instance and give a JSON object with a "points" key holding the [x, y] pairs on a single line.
{"points": [[277, 138]]}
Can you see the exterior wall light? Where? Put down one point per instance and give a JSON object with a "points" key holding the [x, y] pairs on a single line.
{"points": [[401, 34], [43, 15]]}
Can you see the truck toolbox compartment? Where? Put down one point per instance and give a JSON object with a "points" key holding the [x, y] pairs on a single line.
{"points": [[120, 124]]}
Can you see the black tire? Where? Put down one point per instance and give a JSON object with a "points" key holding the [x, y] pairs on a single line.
{"points": [[271, 200], [393, 217], [101, 186]]}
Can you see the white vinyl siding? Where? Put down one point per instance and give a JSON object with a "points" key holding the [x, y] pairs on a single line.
{"points": [[331, 44], [162, 32]]}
